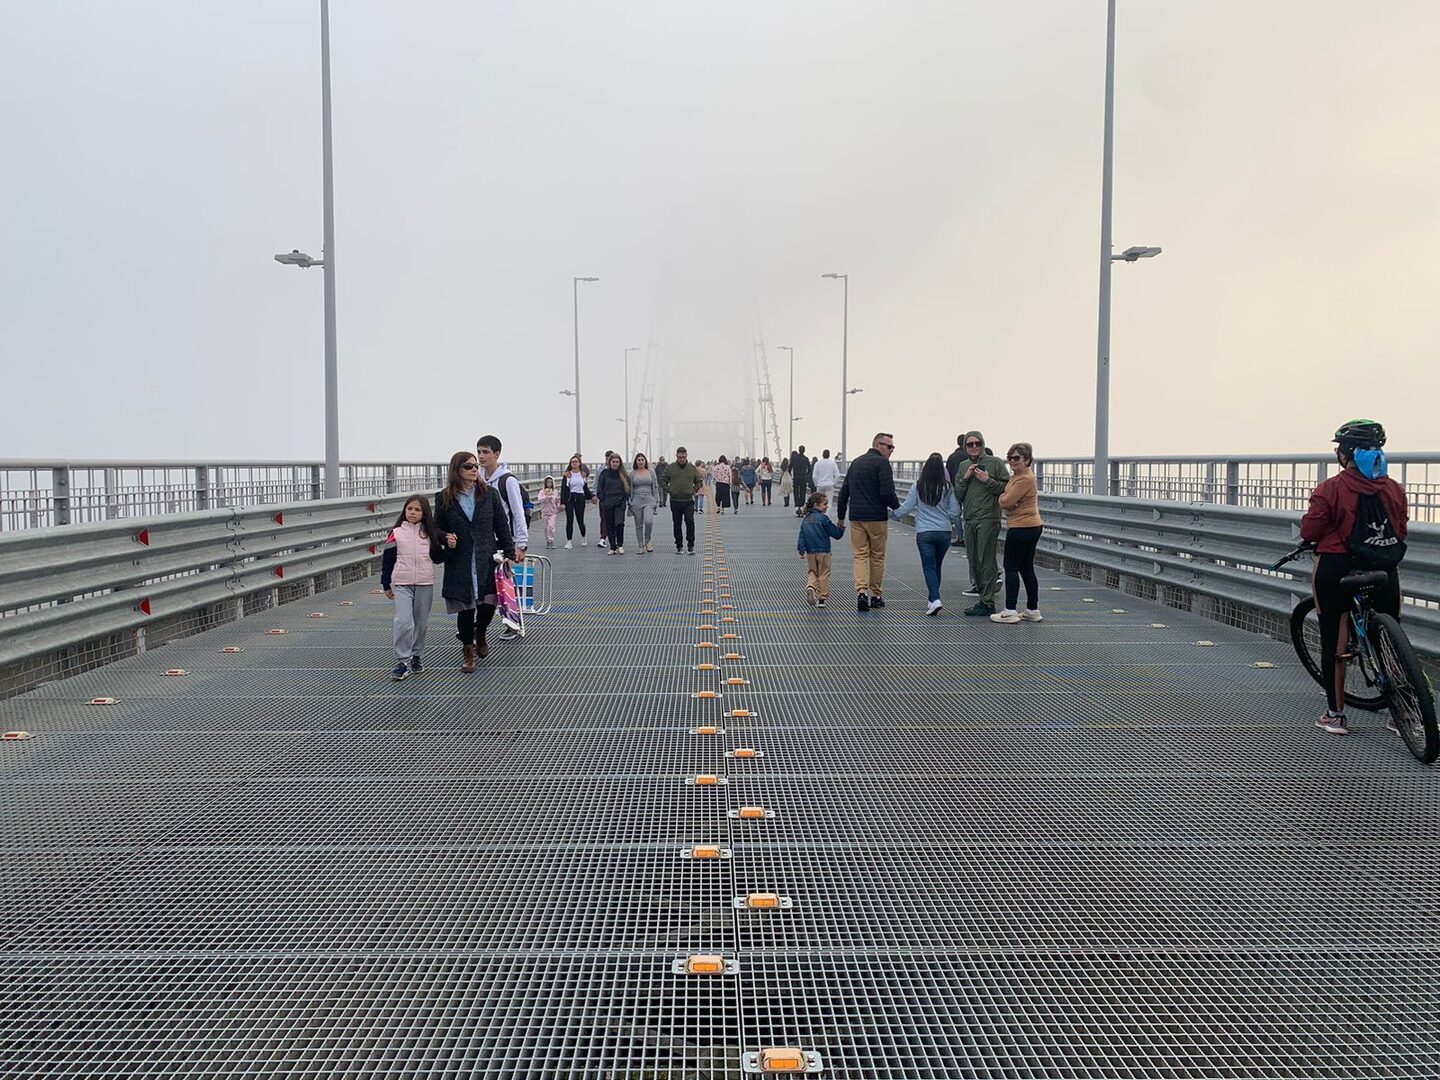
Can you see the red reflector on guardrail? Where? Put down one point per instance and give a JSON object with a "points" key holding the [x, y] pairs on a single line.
{"points": [[143, 536]]}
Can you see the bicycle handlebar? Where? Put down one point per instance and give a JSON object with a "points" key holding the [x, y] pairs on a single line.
{"points": [[1305, 546]]}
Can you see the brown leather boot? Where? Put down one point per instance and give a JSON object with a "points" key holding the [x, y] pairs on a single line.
{"points": [[471, 661], [483, 648]]}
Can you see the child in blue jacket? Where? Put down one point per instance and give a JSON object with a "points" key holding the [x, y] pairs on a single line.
{"points": [[816, 532]]}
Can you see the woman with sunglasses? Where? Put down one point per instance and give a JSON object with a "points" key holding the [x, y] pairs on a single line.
{"points": [[472, 527], [1021, 502]]}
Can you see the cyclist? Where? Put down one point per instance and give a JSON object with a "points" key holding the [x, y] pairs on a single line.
{"points": [[1330, 524]]}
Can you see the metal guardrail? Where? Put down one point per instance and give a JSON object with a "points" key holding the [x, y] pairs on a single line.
{"points": [[41, 494], [1271, 481]]}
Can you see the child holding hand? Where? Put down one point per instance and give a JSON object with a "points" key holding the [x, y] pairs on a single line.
{"points": [[407, 574], [816, 532], [549, 510]]}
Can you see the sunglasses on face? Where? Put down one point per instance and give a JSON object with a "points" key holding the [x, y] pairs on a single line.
{"points": [[470, 465], [972, 446], [1014, 457]]}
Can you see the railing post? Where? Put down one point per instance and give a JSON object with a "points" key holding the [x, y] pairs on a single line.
{"points": [[112, 500], [1114, 467], [392, 481], [316, 489], [202, 487], [1232, 483], [60, 493]]}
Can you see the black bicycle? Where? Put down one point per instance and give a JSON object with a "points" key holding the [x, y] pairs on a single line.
{"points": [[1381, 669]]}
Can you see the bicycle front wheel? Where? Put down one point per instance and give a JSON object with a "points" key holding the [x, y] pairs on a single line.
{"points": [[1407, 688], [1362, 690]]}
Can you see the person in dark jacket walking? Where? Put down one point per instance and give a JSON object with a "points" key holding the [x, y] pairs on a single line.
{"points": [[868, 496], [682, 482], [473, 527], [799, 479], [612, 488]]}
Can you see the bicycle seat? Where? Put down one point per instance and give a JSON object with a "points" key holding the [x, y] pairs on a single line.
{"points": [[1358, 580]]}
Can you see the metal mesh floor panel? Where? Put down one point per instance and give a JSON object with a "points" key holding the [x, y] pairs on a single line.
{"points": [[1086, 848]]}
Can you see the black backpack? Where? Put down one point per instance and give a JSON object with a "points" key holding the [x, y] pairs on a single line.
{"points": [[1373, 543]]}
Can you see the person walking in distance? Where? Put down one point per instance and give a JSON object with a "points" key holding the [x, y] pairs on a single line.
{"points": [[612, 488], [407, 574], [799, 479], [1021, 502], [472, 528], [659, 466], [766, 475], [749, 476], [720, 477], [504, 483], [816, 532], [933, 504], [549, 509], [575, 492], [868, 495], [787, 481], [825, 474], [682, 481], [977, 489], [644, 500], [954, 464], [605, 540]]}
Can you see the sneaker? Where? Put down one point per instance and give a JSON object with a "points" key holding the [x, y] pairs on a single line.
{"points": [[979, 609], [972, 591], [1031, 615], [619, 551], [612, 551], [400, 672], [570, 544], [649, 549], [690, 552], [862, 602], [679, 550], [932, 607], [1007, 616], [508, 633], [603, 542], [584, 543], [877, 602], [550, 545], [820, 602], [810, 596], [416, 667], [1334, 723]]}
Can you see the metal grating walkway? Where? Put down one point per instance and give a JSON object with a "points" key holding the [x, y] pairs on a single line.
{"points": [[1082, 849]]}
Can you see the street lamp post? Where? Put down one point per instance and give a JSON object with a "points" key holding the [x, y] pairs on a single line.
{"points": [[1100, 481], [576, 286], [793, 417], [327, 262], [844, 366], [626, 417]]}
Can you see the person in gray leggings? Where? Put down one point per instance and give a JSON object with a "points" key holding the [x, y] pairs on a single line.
{"points": [[644, 498]]}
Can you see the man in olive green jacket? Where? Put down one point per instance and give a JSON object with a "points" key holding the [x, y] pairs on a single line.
{"points": [[682, 481], [982, 478]]}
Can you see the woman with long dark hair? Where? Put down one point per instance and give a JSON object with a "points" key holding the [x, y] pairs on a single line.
{"points": [[933, 504], [575, 493], [472, 527], [612, 488]]}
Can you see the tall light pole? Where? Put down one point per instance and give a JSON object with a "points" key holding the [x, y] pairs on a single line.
{"points": [[791, 414], [327, 261], [628, 351], [576, 284], [844, 366], [1100, 482]]}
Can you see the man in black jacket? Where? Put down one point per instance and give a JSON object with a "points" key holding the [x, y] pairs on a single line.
{"points": [[868, 494], [800, 478]]}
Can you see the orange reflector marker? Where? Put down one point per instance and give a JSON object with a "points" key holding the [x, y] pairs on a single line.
{"points": [[101, 701], [780, 1060], [705, 645], [707, 731], [729, 637], [708, 851], [728, 618], [318, 615], [737, 681], [732, 656], [727, 607], [706, 965], [750, 813], [705, 626], [233, 649], [746, 752], [762, 901], [12, 736], [704, 694], [347, 603], [276, 630], [176, 672], [704, 667], [707, 780], [740, 712]]}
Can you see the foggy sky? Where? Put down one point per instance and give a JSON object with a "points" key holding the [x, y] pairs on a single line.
{"points": [[708, 162]]}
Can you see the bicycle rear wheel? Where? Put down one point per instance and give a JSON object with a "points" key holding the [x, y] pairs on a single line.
{"points": [[1408, 690], [1362, 690]]}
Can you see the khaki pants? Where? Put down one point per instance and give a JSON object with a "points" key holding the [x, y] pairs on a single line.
{"points": [[819, 576], [868, 539]]}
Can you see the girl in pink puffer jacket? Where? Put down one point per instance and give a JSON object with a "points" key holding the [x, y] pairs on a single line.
{"points": [[407, 574]]}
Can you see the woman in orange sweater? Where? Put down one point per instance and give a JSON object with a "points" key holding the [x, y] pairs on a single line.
{"points": [[1021, 502]]}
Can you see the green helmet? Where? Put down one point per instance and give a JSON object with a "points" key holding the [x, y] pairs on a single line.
{"points": [[1360, 433]]}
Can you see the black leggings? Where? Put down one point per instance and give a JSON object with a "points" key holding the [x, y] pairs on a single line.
{"points": [[472, 624], [1020, 565], [574, 513], [615, 525], [1332, 603]]}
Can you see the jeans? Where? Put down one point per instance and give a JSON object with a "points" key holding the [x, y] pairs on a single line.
{"points": [[933, 545], [683, 510], [765, 492], [1020, 564]]}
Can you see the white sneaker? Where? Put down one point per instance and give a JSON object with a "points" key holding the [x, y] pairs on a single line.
{"points": [[584, 543], [603, 543], [649, 549], [619, 551], [612, 551], [570, 544], [1006, 616], [932, 607], [1031, 615]]}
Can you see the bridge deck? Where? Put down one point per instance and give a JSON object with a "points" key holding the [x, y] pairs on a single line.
{"points": [[1086, 848]]}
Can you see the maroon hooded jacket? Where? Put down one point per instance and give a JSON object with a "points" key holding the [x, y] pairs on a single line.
{"points": [[1331, 517]]}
